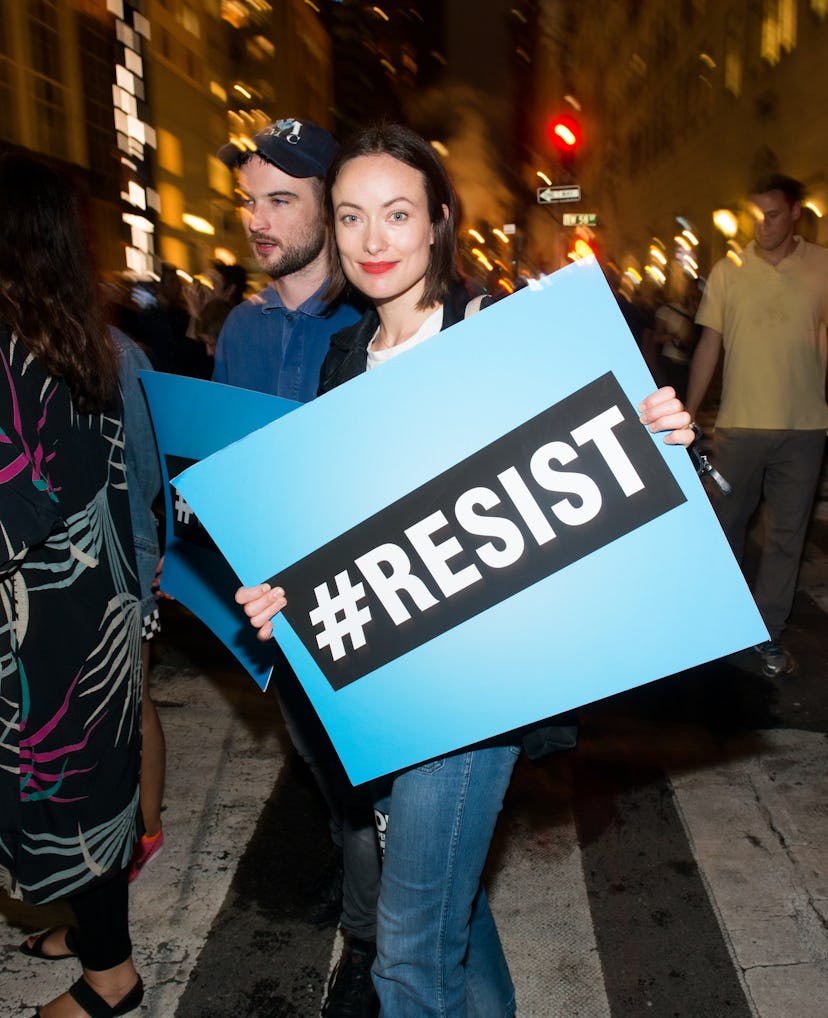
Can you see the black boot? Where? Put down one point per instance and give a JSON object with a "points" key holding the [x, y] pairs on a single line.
{"points": [[351, 992]]}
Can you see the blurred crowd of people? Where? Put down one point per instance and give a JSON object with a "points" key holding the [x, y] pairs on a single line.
{"points": [[175, 319]]}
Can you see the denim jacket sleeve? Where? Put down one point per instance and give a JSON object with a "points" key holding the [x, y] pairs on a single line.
{"points": [[141, 455]]}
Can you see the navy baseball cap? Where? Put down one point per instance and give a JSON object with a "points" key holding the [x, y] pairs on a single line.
{"points": [[299, 147]]}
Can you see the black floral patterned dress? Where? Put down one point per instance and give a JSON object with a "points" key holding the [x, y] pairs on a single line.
{"points": [[70, 638]]}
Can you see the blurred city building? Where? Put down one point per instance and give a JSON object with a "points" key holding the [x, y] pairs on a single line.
{"points": [[58, 70], [660, 113], [134, 97], [682, 105], [462, 74], [382, 56]]}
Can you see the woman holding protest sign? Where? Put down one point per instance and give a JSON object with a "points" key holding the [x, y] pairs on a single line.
{"points": [[394, 215]]}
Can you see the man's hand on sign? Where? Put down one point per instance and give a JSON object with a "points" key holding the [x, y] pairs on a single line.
{"points": [[260, 604], [662, 410]]}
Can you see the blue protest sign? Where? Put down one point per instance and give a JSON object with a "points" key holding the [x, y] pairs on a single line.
{"points": [[480, 534], [193, 418]]}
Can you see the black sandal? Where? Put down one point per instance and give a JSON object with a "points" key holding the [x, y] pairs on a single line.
{"points": [[36, 950], [96, 1007]]}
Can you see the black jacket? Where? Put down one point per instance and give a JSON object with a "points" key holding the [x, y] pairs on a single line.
{"points": [[348, 354]]}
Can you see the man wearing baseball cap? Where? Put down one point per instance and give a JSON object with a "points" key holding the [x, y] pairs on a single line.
{"points": [[275, 342]]}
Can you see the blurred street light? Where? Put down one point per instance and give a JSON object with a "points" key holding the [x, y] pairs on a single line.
{"points": [[484, 261], [199, 224], [726, 222]]}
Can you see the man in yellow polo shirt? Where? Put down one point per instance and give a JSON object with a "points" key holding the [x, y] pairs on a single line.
{"points": [[769, 314]]}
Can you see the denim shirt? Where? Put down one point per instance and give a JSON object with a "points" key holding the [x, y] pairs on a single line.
{"points": [[141, 457], [267, 347]]}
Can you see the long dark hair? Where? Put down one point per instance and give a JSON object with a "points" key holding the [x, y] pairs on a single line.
{"points": [[48, 285], [408, 147]]}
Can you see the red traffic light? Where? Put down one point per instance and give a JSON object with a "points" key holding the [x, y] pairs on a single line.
{"points": [[580, 248], [565, 133]]}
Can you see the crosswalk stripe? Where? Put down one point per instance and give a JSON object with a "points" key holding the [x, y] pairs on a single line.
{"points": [[761, 845]]}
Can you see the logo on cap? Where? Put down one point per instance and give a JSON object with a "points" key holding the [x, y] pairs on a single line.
{"points": [[285, 130], [299, 148]]}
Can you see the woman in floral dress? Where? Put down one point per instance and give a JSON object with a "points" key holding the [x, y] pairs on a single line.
{"points": [[70, 626]]}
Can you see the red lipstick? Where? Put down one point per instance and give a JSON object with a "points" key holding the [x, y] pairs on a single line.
{"points": [[376, 268]]}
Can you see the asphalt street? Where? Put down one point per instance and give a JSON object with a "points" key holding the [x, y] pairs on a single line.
{"points": [[673, 865]]}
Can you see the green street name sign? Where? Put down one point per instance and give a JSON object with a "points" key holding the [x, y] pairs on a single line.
{"points": [[580, 219]]}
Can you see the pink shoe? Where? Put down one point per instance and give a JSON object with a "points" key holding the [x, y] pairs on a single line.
{"points": [[145, 849]]}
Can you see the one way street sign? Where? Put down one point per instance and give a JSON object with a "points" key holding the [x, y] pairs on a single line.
{"points": [[562, 193]]}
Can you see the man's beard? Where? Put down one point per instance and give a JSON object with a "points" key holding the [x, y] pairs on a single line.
{"points": [[293, 257]]}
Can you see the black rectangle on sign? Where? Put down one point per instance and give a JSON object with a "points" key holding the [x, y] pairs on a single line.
{"points": [[185, 524], [564, 484]]}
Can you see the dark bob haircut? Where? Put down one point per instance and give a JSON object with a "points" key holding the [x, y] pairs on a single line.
{"points": [[410, 148]]}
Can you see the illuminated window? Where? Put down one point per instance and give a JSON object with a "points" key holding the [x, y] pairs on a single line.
{"points": [[141, 24], [175, 252], [242, 12], [787, 25], [778, 29], [187, 17], [134, 63], [733, 62], [264, 47], [172, 204], [233, 12], [169, 153], [219, 176], [124, 101], [770, 35]]}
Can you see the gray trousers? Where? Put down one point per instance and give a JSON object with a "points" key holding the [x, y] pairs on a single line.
{"points": [[782, 469], [352, 809]]}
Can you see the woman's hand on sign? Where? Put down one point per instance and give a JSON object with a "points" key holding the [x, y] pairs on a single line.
{"points": [[662, 410], [260, 604]]}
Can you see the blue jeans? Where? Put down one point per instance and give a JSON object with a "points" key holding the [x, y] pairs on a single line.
{"points": [[438, 951]]}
